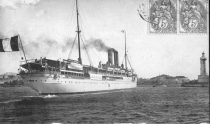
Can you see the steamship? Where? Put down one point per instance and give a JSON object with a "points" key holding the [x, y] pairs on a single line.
{"points": [[48, 76]]}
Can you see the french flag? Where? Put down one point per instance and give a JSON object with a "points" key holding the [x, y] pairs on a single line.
{"points": [[9, 44]]}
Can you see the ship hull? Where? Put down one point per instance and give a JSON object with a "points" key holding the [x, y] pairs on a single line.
{"points": [[46, 85]]}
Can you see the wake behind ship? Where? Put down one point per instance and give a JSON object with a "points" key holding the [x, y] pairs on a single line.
{"points": [[48, 76]]}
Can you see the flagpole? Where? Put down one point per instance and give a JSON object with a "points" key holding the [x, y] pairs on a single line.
{"points": [[24, 53]]}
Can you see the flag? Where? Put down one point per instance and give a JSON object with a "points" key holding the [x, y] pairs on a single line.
{"points": [[9, 45]]}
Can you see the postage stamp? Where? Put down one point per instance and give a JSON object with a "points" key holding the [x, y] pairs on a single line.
{"points": [[163, 16], [193, 16]]}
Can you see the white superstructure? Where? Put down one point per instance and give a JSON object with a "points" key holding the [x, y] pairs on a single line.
{"points": [[52, 80]]}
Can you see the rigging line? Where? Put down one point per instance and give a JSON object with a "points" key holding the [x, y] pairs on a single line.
{"points": [[82, 27], [20, 50], [123, 59], [72, 13], [81, 24], [90, 61], [81, 19], [71, 22], [72, 47], [130, 64], [86, 48], [87, 52], [86, 43], [21, 56]]}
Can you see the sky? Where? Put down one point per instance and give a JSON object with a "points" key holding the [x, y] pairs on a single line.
{"points": [[47, 29]]}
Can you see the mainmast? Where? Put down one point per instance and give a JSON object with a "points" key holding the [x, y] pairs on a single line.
{"points": [[78, 33], [123, 31]]}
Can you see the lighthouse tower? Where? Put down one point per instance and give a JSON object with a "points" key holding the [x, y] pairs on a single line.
{"points": [[203, 77], [203, 64]]}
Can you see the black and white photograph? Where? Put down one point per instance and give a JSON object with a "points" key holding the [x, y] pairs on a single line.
{"points": [[104, 62]]}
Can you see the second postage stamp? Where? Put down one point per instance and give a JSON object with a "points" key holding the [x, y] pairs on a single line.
{"points": [[193, 16]]}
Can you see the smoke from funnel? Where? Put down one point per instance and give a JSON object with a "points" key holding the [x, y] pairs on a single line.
{"points": [[38, 49], [98, 44], [44, 46]]}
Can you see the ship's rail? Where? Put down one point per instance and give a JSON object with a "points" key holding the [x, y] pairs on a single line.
{"points": [[47, 66]]}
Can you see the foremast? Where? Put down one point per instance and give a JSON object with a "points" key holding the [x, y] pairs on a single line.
{"points": [[78, 33]]}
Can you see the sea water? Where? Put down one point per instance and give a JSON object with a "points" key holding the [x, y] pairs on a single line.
{"points": [[143, 105]]}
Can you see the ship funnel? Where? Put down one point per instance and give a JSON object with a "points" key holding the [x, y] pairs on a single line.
{"points": [[116, 63], [113, 57], [110, 56]]}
